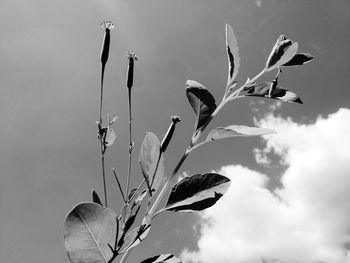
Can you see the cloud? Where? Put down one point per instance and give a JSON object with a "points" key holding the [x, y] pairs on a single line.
{"points": [[261, 156], [306, 220]]}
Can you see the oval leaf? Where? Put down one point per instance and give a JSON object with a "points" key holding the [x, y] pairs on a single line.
{"points": [[149, 156], [197, 192], [237, 131], [88, 229], [232, 56], [283, 51], [201, 100], [265, 90], [299, 59], [166, 258]]}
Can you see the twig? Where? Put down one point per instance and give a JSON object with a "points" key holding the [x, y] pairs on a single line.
{"points": [[120, 188], [130, 145], [129, 83], [104, 176]]}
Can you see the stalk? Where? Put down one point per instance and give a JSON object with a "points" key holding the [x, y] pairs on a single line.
{"points": [[104, 178], [101, 90], [120, 188], [102, 134], [107, 26], [129, 83], [130, 146]]}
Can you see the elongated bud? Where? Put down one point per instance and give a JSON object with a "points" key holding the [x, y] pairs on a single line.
{"points": [[130, 74], [108, 27], [169, 133]]}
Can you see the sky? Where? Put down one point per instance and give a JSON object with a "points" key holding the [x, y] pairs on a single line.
{"points": [[289, 200]]}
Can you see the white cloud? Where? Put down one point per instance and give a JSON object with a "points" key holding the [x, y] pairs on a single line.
{"points": [[261, 156], [306, 220]]}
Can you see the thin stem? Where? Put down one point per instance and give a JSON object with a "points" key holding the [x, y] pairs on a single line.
{"points": [[198, 145], [104, 177], [120, 188], [130, 145], [101, 135], [155, 170], [101, 95]]}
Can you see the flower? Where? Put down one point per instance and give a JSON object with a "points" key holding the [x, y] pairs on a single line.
{"points": [[108, 27], [283, 51], [130, 74]]}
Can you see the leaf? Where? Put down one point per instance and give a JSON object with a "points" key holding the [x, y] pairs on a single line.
{"points": [[283, 51], [165, 258], [88, 229], [299, 59], [135, 237], [232, 56], [110, 137], [197, 192], [149, 156], [237, 131], [95, 198], [265, 90], [201, 100]]}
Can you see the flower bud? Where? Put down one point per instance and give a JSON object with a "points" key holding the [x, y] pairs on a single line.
{"points": [[283, 51], [130, 74], [169, 133], [108, 27]]}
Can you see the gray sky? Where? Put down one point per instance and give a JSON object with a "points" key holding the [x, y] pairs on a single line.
{"points": [[49, 75]]}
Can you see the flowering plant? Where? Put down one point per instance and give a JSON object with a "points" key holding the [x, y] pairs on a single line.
{"points": [[95, 233]]}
